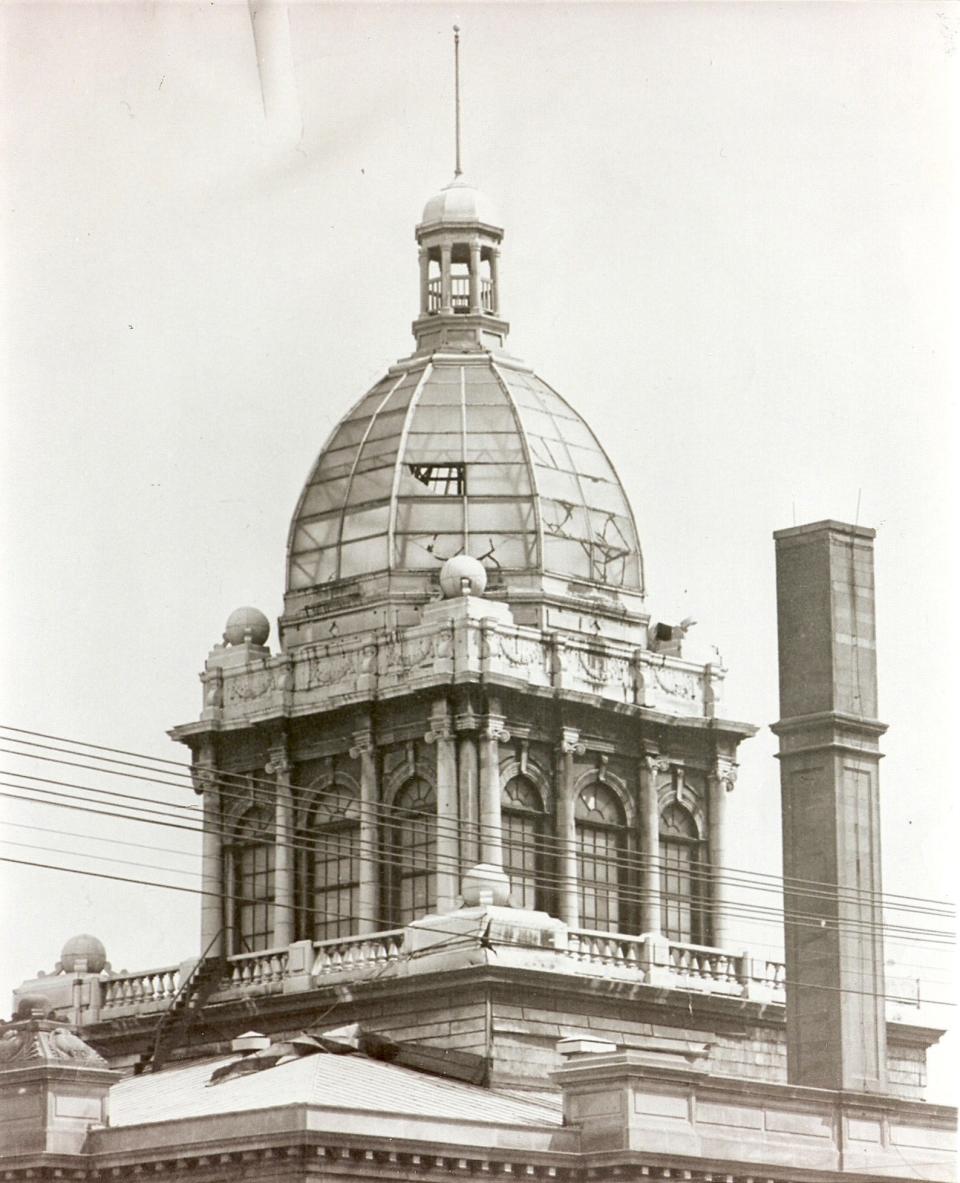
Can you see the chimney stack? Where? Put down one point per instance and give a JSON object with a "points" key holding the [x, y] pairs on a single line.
{"points": [[829, 788]]}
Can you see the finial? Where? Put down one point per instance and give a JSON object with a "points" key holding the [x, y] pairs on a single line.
{"points": [[456, 81]]}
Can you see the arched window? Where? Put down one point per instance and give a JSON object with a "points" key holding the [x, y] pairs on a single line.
{"points": [[250, 864], [601, 841], [333, 871], [413, 852], [681, 877], [522, 825]]}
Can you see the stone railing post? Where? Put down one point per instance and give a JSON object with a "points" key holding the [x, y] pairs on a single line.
{"points": [[569, 902]]}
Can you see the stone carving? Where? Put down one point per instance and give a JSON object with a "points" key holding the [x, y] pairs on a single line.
{"points": [[327, 669], [40, 1042], [676, 683], [248, 687], [519, 652]]}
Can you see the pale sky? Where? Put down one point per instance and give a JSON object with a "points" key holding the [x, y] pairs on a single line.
{"points": [[731, 244]]}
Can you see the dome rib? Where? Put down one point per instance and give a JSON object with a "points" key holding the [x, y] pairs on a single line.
{"points": [[397, 467], [515, 410], [353, 471]]}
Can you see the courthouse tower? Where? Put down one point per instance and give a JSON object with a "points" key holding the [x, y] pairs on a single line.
{"points": [[467, 674]]}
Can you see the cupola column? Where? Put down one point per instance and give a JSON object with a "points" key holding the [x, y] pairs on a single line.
{"points": [[446, 299], [279, 767], [651, 766], [475, 275], [492, 736], [721, 781], [570, 747], [424, 281], [495, 280], [205, 782], [448, 853], [368, 893]]}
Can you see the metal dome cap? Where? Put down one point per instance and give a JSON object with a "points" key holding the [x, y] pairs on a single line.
{"points": [[457, 203]]}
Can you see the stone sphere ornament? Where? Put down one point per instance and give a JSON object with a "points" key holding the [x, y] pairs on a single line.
{"points": [[484, 885], [246, 624], [462, 576], [83, 947]]}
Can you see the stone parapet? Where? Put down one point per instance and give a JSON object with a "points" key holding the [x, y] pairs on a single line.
{"points": [[631, 1102], [469, 648]]}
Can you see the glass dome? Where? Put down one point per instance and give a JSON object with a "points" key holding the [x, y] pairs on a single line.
{"points": [[450, 455]]}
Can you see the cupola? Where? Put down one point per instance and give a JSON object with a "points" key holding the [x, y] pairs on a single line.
{"points": [[459, 238]]}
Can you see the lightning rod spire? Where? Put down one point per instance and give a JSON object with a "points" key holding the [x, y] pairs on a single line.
{"points": [[456, 83]]}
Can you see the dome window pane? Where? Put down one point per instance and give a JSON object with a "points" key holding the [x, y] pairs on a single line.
{"points": [[503, 480], [371, 485], [361, 523], [504, 516], [360, 558], [420, 517]]}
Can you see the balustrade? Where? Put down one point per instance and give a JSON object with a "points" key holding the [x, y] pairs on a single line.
{"points": [[261, 972], [151, 989], [347, 954], [459, 294]]}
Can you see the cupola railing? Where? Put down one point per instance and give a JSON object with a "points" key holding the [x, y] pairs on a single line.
{"points": [[459, 294]]}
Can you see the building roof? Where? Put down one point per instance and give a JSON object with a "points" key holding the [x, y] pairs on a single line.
{"points": [[341, 1082], [468, 454]]}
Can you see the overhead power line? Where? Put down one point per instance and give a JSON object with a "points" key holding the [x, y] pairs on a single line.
{"points": [[625, 893], [452, 932], [231, 784]]}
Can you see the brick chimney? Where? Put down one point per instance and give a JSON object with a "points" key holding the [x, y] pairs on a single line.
{"points": [[829, 787]]}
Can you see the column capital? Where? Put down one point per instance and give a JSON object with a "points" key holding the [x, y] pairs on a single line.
{"points": [[362, 743], [653, 762], [439, 729], [724, 773], [570, 744], [203, 777], [278, 763], [493, 728]]}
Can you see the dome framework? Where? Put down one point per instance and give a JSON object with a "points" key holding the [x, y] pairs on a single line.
{"points": [[464, 454]]}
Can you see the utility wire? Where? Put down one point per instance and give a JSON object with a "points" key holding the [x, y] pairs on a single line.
{"points": [[451, 932], [446, 825], [756, 946], [626, 894], [229, 780]]}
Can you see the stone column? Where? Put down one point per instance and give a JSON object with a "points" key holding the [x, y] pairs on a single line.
{"points": [[492, 735], [368, 895], [495, 280], [212, 883], [651, 765], [424, 281], [720, 782], [569, 901], [446, 302], [448, 853], [468, 767], [284, 873], [475, 275]]}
